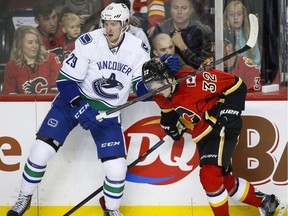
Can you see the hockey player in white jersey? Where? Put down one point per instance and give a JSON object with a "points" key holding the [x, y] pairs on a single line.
{"points": [[97, 76]]}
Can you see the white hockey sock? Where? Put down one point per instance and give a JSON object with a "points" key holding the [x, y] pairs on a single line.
{"points": [[35, 166], [114, 182]]}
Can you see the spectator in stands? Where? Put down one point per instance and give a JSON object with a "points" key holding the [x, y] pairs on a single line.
{"points": [[31, 69], [83, 9], [236, 20], [163, 44], [72, 29], [192, 39], [148, 14], [240, 65], [51, 31]]}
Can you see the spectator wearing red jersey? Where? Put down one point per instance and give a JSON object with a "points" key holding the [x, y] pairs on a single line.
{"points": [[51, 31], [240, 65], [72, 29], [31, 69]]}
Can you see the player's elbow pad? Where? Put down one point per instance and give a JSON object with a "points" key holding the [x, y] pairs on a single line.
{"points": [[68, 90]]}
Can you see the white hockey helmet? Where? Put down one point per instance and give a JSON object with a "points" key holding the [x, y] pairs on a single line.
{"points": [[117, 12]]}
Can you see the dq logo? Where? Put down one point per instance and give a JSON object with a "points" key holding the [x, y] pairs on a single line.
{"points": [[169, 163]]}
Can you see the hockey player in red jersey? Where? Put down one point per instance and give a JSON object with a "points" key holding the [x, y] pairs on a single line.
{"points": [[212, 101]]}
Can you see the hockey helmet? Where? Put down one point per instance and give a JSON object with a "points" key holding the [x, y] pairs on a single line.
{"points": [[116, 12], [155, 70]]}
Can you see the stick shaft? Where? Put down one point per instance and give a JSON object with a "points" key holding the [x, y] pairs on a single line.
{"points": [[144, 155]]}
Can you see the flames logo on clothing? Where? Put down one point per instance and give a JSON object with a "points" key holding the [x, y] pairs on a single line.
{"points": [[169, 163], [38, 85]]}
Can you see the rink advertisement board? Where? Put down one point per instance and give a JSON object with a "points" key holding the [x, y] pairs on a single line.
{"points": [[167, 177]]}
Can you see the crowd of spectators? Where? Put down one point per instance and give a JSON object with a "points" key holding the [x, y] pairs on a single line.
{"points": [[166, 27]]}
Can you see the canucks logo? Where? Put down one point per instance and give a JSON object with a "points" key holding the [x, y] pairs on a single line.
{"points": [[101, 86]]}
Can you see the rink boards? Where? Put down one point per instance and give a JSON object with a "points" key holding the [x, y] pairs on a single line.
{"points": [[165, 183]]}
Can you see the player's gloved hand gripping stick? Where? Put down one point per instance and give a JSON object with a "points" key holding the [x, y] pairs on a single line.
{"points": [[254, 28]]}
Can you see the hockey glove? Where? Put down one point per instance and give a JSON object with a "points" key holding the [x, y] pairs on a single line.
{"points": [[172, 62], [142, 90], [85, 115], [171, 125], [230, 118]]}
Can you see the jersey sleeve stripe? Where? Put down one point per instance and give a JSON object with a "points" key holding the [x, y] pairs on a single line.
{"points": [[233, 88], [70, 77]]}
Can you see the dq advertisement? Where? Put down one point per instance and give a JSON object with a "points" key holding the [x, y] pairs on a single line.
{"points": [[172, 168]]}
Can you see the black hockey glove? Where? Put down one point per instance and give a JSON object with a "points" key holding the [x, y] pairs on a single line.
{"points": [[230, 118], [172, 125]]}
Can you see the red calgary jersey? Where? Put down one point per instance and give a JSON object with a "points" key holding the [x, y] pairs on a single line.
{"points": [[195, 96], [28, 80], [247, 70]]}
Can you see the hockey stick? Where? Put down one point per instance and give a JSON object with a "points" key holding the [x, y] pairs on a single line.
{"points": [[250, 44], [144, 155]]}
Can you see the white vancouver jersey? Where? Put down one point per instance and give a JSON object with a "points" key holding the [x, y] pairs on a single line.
{"points": [[105, 74]]}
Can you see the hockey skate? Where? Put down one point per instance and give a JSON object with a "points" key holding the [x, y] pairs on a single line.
{"points": [[108, 212], [21, 206], [268, 205]]}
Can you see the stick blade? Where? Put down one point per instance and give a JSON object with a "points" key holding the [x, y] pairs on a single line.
{"points": [[254, 29]]}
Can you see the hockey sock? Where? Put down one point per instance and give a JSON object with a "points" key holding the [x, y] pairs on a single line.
{"points": [[212, 182], [113, 186], [35, 166], [245, 192]]}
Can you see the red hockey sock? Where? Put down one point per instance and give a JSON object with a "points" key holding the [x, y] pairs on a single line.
{"points": [[241, 190], [251, 198], [221, 210], [212, 181]]}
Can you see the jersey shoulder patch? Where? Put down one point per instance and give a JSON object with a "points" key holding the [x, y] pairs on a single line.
{"points": [[85, 38], [145, 47]]}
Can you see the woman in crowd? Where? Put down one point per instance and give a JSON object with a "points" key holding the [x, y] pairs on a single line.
{"points": [[31, 68], [236, 20]]}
